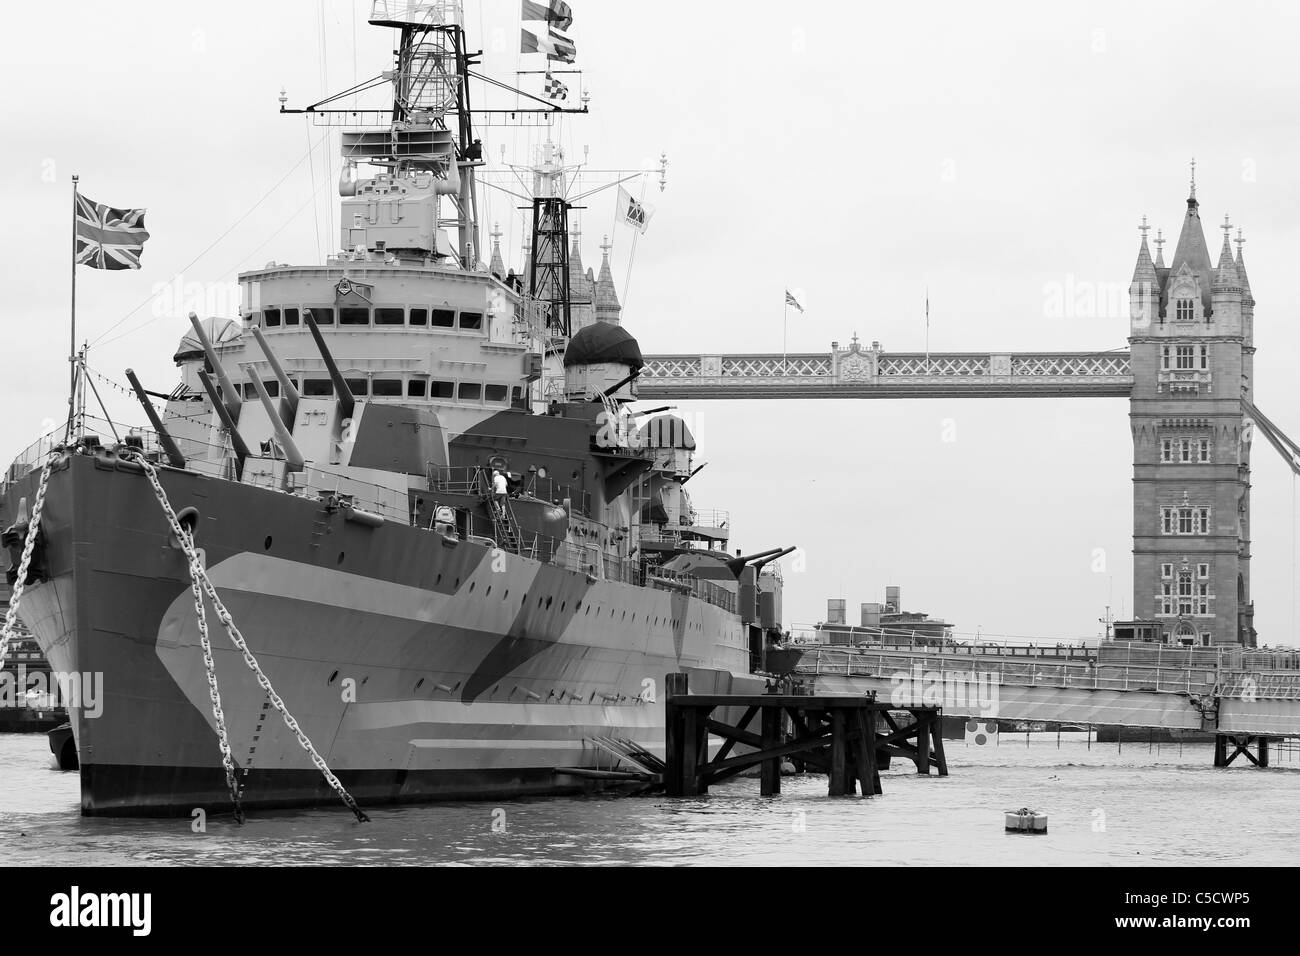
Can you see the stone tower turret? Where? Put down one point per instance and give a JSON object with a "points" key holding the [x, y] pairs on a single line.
{"points": [[1192, 365]]}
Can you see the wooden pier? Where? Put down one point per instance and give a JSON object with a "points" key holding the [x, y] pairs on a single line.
{"points": [[849, 738]]}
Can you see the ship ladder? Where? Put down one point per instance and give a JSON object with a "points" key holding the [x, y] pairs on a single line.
{"points": [[503, 523], [199, 580], [24, 563]]}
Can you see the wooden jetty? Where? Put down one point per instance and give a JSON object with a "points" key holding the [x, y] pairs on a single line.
{"points": [[849, 738]]}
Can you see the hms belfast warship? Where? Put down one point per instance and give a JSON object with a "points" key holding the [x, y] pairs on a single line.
{"points": [[329, 461]]}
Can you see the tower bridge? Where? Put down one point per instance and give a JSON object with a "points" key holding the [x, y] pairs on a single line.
{"points": [[1188, 375]]}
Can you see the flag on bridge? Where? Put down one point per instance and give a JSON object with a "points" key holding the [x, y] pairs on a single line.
{"points": [[109, 238], [791, 300], [555, 12]]}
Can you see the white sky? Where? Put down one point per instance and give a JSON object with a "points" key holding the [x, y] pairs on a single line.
{"points": [[856, 153]]}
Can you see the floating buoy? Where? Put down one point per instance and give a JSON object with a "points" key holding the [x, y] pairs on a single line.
{"points": [[1025, 820]]}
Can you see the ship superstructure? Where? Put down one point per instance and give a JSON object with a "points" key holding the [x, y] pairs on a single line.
{"points": [[417, 482]]}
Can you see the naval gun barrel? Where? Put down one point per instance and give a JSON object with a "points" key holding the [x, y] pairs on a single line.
{"points": [[347, 401], [288, 394], [231, 398], [737, 564]]}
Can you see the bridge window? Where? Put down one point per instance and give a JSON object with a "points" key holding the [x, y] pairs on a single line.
{"points": [[1186, 354], [471, 321], [271, 318], [290, 316], [444, 318], [272, 388], [387, 388], [1184, 311], [390, 316], [354, 316], [469, 392], [317, 387], [358, 386], [1185, 520], [419, 317], [323, 314], [495, 393], [442, 389], [417, 388]]}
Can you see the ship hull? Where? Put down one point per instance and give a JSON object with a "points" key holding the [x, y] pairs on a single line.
{"points": [[420, 667]]}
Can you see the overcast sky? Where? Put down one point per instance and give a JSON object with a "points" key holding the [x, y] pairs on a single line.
{"points": [[857, 153]]}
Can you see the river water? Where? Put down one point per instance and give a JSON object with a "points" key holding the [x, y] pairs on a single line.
{"points": [[1144, 805]]}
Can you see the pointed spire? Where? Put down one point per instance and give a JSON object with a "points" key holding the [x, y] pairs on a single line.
{"points": [[1192, 251], [1144, 273], [1241, 267], [607, 306], [497, 266], [1191, 199], [1160, 249], [1225, 275]]}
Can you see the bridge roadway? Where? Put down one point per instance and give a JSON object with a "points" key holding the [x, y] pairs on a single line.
{"points": [[1201, 694], [870, 372]]}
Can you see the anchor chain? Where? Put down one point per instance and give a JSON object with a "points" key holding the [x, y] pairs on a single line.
{"points": [[210, 667], [198, 572], [29, 546]]}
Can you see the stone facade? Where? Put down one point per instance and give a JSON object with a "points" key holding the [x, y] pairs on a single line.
{"points": [[1192, 349]]}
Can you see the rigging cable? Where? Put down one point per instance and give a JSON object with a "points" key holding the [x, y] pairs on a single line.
{"points": [[311, 201], [212, 245]]}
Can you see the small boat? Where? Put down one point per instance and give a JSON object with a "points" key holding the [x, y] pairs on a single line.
{"points": [[1025, 820]]}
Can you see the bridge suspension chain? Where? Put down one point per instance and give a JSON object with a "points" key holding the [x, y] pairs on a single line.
{"points": [[237, 638], [29, 547]]}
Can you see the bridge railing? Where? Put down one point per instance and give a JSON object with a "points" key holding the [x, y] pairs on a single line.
{"points": [[861, 662], [1261, 685]]}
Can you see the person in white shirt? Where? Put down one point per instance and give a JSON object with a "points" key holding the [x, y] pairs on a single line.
{"points": [[500, 488]]}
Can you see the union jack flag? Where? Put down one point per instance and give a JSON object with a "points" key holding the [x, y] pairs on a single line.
{"points": [[109, 238]]}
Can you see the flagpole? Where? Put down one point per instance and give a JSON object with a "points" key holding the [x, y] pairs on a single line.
{"points": [[785, 329], [72, 351], [927, 330]]}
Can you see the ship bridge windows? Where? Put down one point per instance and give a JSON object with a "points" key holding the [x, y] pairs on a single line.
{"points": [[417, 388], [359, 387], [352, 315], [323, 314], [271, 318], [317, 387], [390, 316], [419, 317], [444, 318], [386, 388], [469, 391], [471, 321], [290, 316], [496, 393], [442, 389]]}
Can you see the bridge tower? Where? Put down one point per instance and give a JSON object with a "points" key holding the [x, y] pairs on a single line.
{"points": [[1192, 349]]}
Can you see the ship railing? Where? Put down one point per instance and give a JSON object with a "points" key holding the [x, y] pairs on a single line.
{"points": [[476, 480], [416, 12], [711, 518]]}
